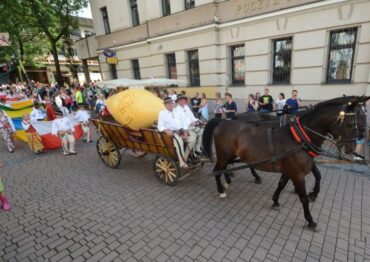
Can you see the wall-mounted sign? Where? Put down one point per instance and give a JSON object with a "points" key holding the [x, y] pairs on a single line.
{"points": [[109, 53], [112, 60]]}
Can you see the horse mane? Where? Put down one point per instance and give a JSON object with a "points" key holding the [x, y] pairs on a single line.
{"points": [[339, 101]]}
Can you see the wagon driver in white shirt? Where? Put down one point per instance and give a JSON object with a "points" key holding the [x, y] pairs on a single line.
{"points": [[170, 123], [192, 124]]}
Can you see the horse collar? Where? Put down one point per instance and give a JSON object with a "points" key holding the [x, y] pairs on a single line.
{"points": [[302, 138]]}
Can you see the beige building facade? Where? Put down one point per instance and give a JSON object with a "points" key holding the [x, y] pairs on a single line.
{"points": [[320, 48]]}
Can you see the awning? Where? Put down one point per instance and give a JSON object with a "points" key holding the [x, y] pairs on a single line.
{"points": [[140, 84]]}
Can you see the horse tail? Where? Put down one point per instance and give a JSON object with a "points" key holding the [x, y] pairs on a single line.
{"points": [[207, 137]]}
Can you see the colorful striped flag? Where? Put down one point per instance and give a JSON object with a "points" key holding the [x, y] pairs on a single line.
{"points": [[17, 109]]}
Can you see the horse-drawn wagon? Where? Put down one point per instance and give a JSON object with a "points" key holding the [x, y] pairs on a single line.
{"points": [[115, 137]]}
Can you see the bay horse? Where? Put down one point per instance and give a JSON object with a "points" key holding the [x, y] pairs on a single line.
{"points": [[253, 143], [269, 119]]}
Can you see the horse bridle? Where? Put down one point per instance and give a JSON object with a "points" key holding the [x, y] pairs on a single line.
{"points": [[341, 118], [338, 142]]}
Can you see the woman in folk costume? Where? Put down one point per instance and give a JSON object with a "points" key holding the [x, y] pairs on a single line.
{"points": [[50, 114], [33, 138], [83, 117], [7, 130], [4, 202], [63, 128]]}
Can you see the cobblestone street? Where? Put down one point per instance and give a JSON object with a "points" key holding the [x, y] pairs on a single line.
{"points": [[76, 208]]}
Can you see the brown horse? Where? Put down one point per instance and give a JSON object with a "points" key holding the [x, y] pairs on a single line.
{"points": [[272, 120], [278, 151]]}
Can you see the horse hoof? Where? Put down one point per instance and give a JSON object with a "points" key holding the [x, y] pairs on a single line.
{"points": [[223, 195], [276, 206], [312, 226], [225, 185], [312, 196], [258, 181]]}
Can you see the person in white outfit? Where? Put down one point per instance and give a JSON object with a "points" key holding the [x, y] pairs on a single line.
{"points": [[83, 117], [173, 95], [280, 102], [37, 114], [170, 123], [190, 123], [63, 128], [59, 103]]}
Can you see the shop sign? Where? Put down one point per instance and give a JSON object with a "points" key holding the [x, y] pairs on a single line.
{"points": [[112, 60], [109, 53]]}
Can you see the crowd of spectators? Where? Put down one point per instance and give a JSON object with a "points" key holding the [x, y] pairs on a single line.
{"points": [[66, 96]]}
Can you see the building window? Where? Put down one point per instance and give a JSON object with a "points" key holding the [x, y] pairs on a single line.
{"points": [[282, 61], [171, 66], [189, 4], [104, 14], [194, 68], [238, 64], [134, 13], [136, 67], [113, 70], [166, 7], [76, 33], [341, 52]]}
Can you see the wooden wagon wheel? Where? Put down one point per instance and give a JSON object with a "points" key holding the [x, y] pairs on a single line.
{"points": [[166, 169], [108, 152]]}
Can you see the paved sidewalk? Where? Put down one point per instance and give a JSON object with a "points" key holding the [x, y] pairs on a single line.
{"points": [[75, 208]]}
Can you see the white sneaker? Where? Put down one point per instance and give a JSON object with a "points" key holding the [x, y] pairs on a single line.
{"points": [[357, 158], [223, 195]]}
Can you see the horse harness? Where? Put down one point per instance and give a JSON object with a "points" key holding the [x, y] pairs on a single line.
{"points": [[299, 133]]}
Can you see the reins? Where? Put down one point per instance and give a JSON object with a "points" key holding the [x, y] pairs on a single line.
{"points": [[299, 132], [315, 150], [269, 160]]}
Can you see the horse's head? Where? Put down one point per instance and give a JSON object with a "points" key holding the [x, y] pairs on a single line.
{"points": [[346, 121]]}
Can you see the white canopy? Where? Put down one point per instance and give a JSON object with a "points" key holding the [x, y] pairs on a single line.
{"points": [[140, 84]]}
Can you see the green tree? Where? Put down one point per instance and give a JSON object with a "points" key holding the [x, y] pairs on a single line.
{"points": [[27, 42], [53, 18]]}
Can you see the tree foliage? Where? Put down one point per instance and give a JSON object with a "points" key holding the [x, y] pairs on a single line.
{"points": [[32, 23], [26, 41]]}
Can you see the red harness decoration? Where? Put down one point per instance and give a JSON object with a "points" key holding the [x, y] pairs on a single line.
{"points": [[301, 137]]}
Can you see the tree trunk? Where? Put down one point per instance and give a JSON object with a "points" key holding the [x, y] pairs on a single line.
{"points": [[20, 73], [23, 70], [21, 49], [54, 51]]}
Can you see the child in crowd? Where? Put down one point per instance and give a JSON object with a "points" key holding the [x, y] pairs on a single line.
{"points": [[64, 128], [4, 202], [83, 117], [7, 130]]}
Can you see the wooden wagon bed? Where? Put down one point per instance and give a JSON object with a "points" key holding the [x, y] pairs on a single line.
{"points": [[114, 136]]}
